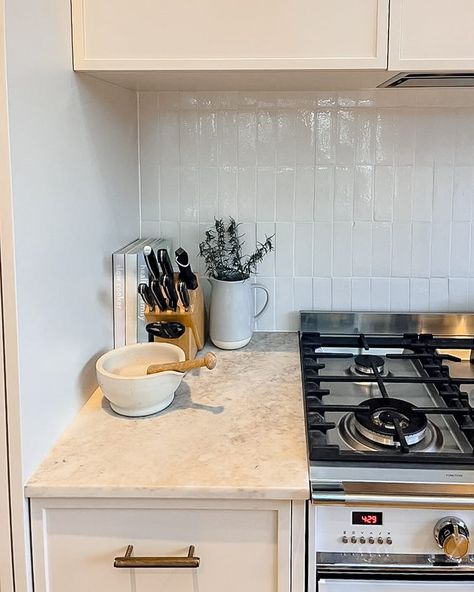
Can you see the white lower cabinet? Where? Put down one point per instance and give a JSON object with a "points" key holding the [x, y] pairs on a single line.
{"points": [[242, 545]]}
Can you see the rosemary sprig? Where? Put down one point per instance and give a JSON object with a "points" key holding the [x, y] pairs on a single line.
{"points": [[221, 250]]}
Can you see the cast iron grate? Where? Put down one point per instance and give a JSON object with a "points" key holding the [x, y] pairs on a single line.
{"points": [[423, 350]]}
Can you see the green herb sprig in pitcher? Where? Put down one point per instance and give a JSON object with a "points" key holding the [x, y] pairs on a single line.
{"points": [[222, 252], [232, 310]]}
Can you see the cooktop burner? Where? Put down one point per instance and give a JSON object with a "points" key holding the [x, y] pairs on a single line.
{"points": [[388, 421], [432, 440], [386, 399], [368, 364]]}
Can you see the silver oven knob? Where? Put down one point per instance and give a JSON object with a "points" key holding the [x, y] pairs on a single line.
{"points": [[452, 535]]}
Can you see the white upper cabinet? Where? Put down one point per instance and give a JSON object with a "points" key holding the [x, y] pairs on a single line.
{"points": [[229, 34], [431, 35]]}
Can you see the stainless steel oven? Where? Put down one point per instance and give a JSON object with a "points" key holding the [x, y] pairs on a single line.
{"points": [[390, 424], [387, 548]]}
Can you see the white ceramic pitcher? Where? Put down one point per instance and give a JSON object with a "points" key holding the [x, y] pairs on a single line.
{"points": [[232, 315]]}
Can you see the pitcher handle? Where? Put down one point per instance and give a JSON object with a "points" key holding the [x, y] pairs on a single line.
{"points": [[262, 310]]}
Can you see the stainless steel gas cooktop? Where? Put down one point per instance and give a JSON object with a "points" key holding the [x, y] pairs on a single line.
{"points": [[382, 391]]}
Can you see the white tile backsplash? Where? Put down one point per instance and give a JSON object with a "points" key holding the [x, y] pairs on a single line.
{"points": [[399, 294], [285, 194], [421, 256], [285, 304], [440, 248], [363, 192], [322, 252], [419, 294], [304, 249], [322, 293], [458, 294], [460, 249], [381, 249], [439, 294], [285, 249], [341, 294], [380, 294], [401, 249], [362, 249], [343, 194], [370, 194], [324, 193], [361, 293]]}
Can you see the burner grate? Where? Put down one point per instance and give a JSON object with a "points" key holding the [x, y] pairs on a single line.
{"points": [[432, 371]]}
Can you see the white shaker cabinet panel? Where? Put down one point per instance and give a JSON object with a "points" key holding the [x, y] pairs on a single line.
{"points": [[431, 35], [242, 546], [139, 35]]}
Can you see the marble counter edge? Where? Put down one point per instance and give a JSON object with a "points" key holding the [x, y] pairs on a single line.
{"points": [[178, 492]]}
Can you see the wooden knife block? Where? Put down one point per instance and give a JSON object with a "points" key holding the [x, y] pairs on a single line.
{"points": [[194, 336]]}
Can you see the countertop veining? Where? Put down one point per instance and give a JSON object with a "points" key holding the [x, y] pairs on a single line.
{"points": [[235, 432]]}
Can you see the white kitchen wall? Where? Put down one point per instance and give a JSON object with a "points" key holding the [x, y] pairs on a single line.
{"points": [[370, 194], [72, 141]]}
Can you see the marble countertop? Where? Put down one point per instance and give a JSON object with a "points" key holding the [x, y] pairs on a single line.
{"points": [[235, 432]]}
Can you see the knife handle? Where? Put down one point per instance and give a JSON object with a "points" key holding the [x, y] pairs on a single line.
{"points": [[170, 291], [151, 262], [147, 296], [165, 262], [185, 272], [158, 295], [183, 295]]}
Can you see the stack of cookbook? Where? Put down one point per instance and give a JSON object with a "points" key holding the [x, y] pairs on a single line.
{"points": [[130, 270]]}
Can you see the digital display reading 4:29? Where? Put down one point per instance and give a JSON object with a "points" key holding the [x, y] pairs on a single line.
{"points": [[367, 518]]}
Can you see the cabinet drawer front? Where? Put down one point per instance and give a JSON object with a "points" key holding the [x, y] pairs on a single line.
{"points": [[226, 34], [74, 549]]}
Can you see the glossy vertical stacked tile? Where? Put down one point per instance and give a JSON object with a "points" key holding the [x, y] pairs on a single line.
{"points": [[369, 194]]}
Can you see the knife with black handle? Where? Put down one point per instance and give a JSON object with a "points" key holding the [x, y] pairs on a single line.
{"points": [[158, 295], [170, 290], [145, 292], [151, 262], [165, 262], [183, 295], [167, 278], [186, 274]]}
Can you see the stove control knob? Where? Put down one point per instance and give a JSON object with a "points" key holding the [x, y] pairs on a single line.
{"points": [[371, 540], [345, 540], [362, 540], [389, 541], [380, 540], [452, 535], [353, 540]]}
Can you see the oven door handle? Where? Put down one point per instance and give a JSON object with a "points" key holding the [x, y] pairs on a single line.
{"points": [[328, 497], [428, 571]]}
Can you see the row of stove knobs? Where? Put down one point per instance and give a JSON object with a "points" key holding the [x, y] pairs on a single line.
{"points": [[362, 540], [451, 534]]}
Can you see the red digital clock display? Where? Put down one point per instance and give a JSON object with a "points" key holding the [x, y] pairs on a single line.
{"points": [[367, 518]]}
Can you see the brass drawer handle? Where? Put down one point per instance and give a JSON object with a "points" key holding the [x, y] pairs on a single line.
{"points": [[128, 561]]}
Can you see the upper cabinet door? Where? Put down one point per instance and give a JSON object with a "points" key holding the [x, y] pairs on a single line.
{"points": [[229, 34], [431, 35]]}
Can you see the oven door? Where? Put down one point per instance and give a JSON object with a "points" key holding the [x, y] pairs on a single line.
{"points": [[334, 585]]}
